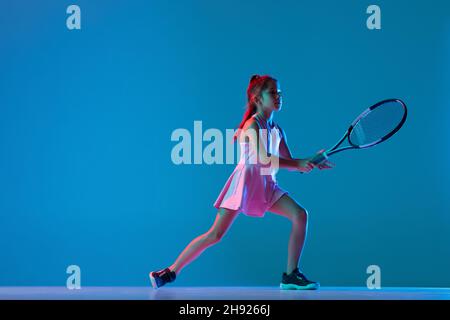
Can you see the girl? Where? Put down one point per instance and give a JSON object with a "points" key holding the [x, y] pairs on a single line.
{"points": [[252, 188]]}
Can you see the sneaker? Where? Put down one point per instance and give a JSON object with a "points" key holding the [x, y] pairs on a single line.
{"points": [[297, 281], [160, 278]]}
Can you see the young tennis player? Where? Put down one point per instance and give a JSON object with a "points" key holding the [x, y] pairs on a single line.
{"points": [[252, 188]]}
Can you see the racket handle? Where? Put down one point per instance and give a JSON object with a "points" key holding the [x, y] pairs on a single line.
{"points": [[319, 158]]}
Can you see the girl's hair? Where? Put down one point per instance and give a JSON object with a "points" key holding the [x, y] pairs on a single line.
{"points": [[257, 85]]}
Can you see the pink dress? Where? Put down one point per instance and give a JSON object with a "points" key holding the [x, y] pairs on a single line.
{"points": [[249, 189]]}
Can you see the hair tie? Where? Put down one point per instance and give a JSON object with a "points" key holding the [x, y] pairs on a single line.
{"points": [[254, 77]]}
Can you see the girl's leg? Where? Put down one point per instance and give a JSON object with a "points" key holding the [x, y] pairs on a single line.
{"points": [[223, 221], [288, 207]]}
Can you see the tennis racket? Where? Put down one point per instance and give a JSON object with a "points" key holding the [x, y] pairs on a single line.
{"points": [[375, 125]]}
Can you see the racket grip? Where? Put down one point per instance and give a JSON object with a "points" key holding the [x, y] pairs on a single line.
{"points": [[319, 158]]}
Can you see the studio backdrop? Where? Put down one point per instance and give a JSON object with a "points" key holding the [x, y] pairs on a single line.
{"points": [[92, 92]]}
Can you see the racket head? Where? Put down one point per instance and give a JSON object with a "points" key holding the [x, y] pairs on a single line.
{"points": [[377, 123]]}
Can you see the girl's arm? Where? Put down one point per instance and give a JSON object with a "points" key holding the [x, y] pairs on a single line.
{"points": [[288, 163], [285, 152]]}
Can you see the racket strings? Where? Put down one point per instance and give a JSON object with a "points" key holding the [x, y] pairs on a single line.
{"points": [[377, 124]]}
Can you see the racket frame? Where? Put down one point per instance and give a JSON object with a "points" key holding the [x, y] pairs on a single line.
{"points": [[333, 150]]}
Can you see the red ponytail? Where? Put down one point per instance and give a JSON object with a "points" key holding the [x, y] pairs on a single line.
{"points": [[256, 86]]}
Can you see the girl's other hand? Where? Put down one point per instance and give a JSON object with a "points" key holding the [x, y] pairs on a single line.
{"points": [[304, 165], [326, 164]]}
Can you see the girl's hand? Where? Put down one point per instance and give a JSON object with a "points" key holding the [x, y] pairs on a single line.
{"points": [[304, 165], [325, 164]]}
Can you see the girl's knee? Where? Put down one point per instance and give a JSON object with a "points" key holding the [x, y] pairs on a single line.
{"points": [[300, 215], [213, 237]]}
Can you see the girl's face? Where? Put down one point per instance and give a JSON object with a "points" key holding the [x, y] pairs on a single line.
{"points": [[271, 97]]}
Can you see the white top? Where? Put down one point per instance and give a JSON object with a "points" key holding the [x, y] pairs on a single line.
{"points": [[270, 138]]}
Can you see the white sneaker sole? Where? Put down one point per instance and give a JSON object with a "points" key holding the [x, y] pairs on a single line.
{"points": [[153, 281], [290, 286]]}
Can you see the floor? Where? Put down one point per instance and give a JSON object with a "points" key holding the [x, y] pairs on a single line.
{"points": [[221, 293]]}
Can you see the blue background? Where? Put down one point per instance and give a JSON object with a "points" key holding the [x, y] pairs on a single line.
{"points": [[86, 176]]}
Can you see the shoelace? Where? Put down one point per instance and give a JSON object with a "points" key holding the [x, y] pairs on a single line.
{"points": [[300, 275], [167, 275]]}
